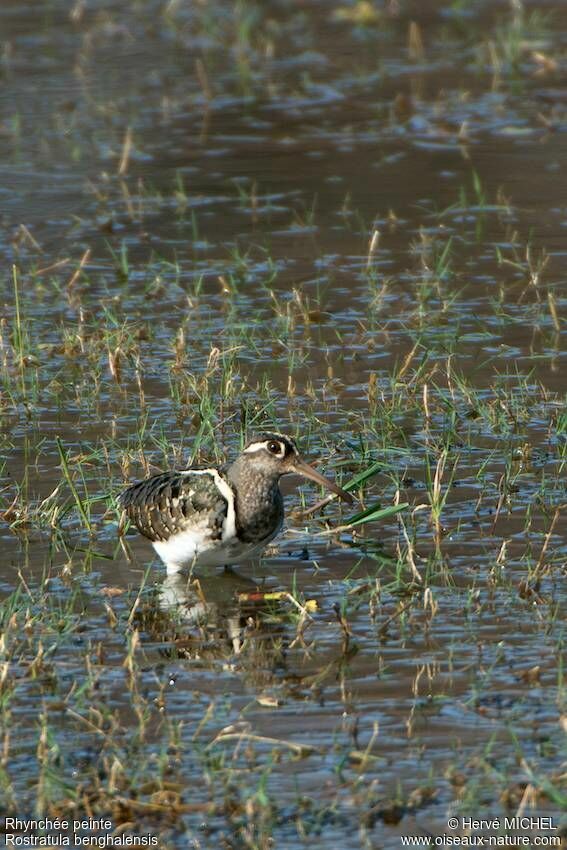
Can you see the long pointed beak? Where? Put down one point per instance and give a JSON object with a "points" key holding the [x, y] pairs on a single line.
{"points": [[307, 471]]}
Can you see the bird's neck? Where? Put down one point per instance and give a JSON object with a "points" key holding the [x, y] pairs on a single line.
{"points": [[258, 502]]}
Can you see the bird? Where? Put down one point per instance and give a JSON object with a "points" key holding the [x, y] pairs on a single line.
{"points": [[219, 517]]}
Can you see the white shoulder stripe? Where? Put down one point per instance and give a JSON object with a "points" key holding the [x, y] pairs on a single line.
{"points": [[229, 522]]}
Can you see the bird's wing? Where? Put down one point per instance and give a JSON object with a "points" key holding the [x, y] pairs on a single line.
{"points": [[172, 502]]}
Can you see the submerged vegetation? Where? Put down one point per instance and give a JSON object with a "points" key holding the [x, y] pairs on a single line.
{"points": [[341, 218]]}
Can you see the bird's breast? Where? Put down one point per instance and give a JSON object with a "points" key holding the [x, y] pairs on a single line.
{"points": [[259, 515]]}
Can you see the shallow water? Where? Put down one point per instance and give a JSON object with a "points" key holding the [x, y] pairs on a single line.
{"points": [[225, 166]]}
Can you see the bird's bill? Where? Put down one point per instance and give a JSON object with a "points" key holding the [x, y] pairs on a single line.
{"points": [[307, 471]]}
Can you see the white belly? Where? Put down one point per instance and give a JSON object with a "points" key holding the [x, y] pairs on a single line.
{"points": [[188, 549]]}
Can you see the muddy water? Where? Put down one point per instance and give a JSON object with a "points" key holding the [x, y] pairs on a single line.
{"points": [[225, 167]]}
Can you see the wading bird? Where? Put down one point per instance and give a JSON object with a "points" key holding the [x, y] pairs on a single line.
{"points": [[214, 517]]}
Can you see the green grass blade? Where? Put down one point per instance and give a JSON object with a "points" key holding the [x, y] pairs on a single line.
{"points": [[362, 477], [375, 512], [70, 482]]}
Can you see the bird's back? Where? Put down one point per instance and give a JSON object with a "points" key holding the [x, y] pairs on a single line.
{"points": [[172, 502]]}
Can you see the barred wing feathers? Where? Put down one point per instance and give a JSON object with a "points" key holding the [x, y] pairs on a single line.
{"points": [[172, 502]]}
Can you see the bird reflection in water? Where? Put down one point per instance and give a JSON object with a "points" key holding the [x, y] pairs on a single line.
{"points": [[222, 610]]}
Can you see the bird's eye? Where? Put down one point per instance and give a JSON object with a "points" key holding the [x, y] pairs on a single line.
{"points": [[275, 448]]}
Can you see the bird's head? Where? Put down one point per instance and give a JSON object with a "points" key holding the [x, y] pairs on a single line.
{"points": [[273, 455]]}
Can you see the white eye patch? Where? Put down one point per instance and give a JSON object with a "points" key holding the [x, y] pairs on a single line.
{"points": [[263, 446]]}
